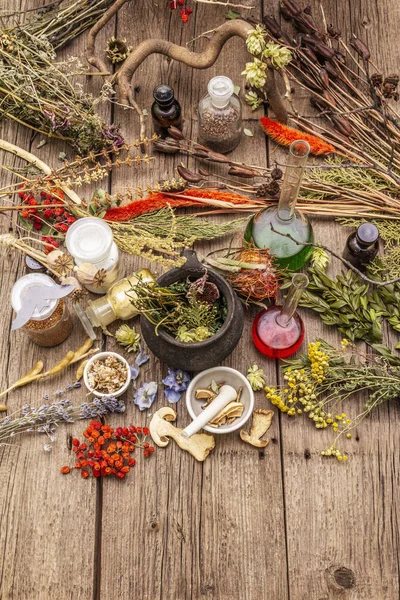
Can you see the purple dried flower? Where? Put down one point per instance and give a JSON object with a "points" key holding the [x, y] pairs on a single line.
{"points": [[142, 357], [145, 395], [134, 372], [114, 136], [175, 382]]}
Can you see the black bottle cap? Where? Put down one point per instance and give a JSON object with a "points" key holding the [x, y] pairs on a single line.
{"points": [[367, 234], [163, 94]]}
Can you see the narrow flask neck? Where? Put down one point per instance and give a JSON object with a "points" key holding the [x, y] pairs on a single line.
{"points": [[298, 155], [299, 284]]}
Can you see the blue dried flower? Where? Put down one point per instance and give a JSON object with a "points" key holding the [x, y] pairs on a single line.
{"points": [[145, 395], [134, 372], [175, 382], [142, 357]]}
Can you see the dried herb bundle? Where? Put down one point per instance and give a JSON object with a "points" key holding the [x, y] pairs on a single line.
{"points": [[362, 124], [39, 93], [348, 303], [191, 311], [318, 382]]}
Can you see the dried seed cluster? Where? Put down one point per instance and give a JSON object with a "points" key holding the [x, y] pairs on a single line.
{"points": [[107, 375]]}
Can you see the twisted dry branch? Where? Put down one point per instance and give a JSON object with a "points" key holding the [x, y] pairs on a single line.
{"points": [[197, 60]]}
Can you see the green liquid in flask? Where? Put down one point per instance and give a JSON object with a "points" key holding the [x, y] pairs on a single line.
{"points": [[267, 225]]}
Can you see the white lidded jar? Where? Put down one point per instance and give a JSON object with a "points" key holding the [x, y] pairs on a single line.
{"points": [[220, 116], [50, 325], [98, 263]]}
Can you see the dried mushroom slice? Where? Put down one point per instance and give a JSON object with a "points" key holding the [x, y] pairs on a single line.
{"points": [[261, 423]]}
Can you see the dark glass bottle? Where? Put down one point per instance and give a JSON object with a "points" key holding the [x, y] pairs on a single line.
{"points": [[166, 110], [362, 246]]}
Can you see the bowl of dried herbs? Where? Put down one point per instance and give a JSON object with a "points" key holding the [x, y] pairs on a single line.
{"points": [[191, 318], [107, 374]]}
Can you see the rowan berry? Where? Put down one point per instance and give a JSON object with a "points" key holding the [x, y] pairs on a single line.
{"points": [[75, 441], [146, 430], [131, 462], [120, 475], [65, 470], [77, 465], [125, 469]]}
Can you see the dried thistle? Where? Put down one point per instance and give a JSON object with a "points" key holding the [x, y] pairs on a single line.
{"points": [[128, 338], [117, 50]]}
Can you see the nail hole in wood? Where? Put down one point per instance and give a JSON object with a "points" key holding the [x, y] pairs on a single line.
{"points": [[344, 577], [307, 454], [274, 440], [261, 454]]}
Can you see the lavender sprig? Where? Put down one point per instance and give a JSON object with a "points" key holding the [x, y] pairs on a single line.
{"points": [[46, 417]]}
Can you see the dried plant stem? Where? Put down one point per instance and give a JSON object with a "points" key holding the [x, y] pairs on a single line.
{"points": [[39, 164], [343, 260]]}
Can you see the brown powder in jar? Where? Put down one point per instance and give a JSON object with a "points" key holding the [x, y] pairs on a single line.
{"points": [[53, 330]]}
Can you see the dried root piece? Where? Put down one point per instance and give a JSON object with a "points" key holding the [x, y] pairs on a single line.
{"points": [[80, 369], [261, 423], [198, 445]]}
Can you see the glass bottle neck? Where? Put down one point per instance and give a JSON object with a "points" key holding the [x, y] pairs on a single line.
{"points": [[299, 284], [298, 155]]}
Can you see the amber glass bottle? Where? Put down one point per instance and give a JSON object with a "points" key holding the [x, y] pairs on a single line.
{"points": [[166, 110], [362, 246]]}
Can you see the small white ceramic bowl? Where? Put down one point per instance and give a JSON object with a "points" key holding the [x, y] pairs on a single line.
{"points": [[230, 377], [102, 356]]}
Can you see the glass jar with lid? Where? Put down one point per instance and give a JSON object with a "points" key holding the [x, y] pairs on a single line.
{"points": [[50, 325], [96, 255], [115, 304], [220, 116]]}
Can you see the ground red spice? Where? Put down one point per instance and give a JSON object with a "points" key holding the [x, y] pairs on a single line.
{"points": [[159, 200]]}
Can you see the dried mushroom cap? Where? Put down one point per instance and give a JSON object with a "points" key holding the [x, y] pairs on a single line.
{"points": [[198, 445], [261, 423], [231, 410]]}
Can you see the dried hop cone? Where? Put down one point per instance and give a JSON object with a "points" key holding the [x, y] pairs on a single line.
{"points": [[128, 338]]}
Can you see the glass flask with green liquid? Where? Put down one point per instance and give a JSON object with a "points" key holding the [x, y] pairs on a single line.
{"points": [[284, 218]]}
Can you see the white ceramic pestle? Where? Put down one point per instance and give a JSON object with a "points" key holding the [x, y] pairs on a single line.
{"points": [[226, 394]]}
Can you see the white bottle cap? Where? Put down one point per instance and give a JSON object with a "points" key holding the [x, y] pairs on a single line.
{"points": [[89, 240], [220, 89], [22, 285]]}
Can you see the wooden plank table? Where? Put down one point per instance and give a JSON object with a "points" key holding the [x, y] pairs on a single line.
{"points": [[279, 524]]}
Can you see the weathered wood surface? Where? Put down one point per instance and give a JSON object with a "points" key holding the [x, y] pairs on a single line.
{"points": [[244, 525]]}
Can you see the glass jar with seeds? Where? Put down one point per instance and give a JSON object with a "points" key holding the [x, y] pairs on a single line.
{"points": [[220, 116], [50, 325]]}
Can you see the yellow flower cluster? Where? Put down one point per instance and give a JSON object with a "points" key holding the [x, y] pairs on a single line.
{"points": [[319, 361], [333, 451]]}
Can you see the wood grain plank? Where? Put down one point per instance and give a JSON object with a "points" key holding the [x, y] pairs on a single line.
{"points": [[342, 519], [47, 521], [190, 530]]}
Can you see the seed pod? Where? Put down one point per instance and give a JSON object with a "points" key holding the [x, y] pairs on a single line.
{"points": [[359, 46], [242, 172], [290, 7], [3, 407], [333, 32], [161, 146], [340, 57], [324, 77], [376, 79], [276, 173], [216, 157], [310, 54], [332, 72], [203, 172], [329, 98], [272, 25], [175, 133], [188, 175], [322, 49], [342, 125], [392, 79]]}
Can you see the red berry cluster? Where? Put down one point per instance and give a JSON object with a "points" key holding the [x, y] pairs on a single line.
{"points": [[108, 451], [55, 217], [183, 10]]}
